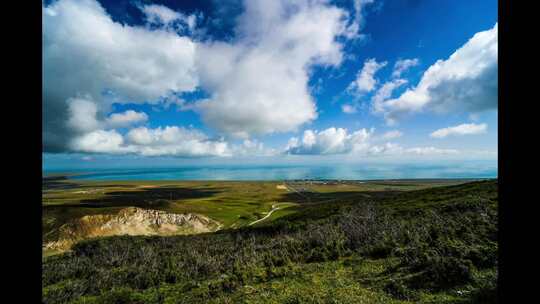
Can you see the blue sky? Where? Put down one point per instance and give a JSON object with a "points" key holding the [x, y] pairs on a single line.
{"points": [[268, 82]]}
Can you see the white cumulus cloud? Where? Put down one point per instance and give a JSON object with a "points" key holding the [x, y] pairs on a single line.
{"points": [[358, 144], [175, 141], [329, 141], [466, 81], [403, 65], [365, 79], [259, 83], [167, 141], [125, 119], [463, 129], [384, 92], [156, 13], [83, 114], [252, 147], [162, 15], [100, 141], [353, 30], [86, 53]]}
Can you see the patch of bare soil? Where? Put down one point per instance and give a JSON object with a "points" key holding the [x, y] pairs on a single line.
{"points": [[130, 221]]}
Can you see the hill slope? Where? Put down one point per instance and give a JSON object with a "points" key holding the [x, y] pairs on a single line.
{"points": [[435, 245]]}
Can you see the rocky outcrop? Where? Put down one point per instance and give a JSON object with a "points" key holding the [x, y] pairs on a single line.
{"points": [[130, 221]]}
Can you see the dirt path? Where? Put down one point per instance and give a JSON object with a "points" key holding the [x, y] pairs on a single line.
{"points": [[274, 208], [309, 202]]}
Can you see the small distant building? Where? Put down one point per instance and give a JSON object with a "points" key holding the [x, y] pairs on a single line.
{"points": [[281, 187]]}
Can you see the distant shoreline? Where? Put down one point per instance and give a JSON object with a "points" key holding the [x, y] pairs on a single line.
{"points": [[425, 180], [441, 172]]}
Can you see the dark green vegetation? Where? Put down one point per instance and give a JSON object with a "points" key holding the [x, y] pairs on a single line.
{"points": [[435, 245]]}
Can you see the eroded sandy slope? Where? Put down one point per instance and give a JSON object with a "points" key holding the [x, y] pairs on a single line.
{"points": [[130, 221]]}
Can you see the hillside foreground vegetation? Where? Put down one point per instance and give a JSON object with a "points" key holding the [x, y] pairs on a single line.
{"points": [[433, 245]]}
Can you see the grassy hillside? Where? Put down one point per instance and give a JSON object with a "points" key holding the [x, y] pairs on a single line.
{"points": [[233, 204], [436, 245]]}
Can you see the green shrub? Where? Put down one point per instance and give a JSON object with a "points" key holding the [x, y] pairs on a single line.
{"points": [[397, 289]]}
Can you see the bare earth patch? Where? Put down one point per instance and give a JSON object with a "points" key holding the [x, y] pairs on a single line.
{"points": [[147, 186], [130, 221]]}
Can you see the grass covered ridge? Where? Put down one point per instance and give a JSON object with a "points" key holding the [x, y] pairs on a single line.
{"points": [[435, 245]]}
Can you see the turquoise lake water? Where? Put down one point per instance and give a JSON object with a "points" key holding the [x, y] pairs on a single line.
{"points": [[344, 172]]}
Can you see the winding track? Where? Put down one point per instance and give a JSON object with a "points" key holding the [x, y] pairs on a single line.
{"points": [[290, 188], [274, 208]]}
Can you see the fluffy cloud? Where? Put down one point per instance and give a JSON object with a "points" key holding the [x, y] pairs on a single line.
{"points": [[384, 92], [329, 141], [252, 148], [162, 15], [175, 141], [83, 116], [170, 141], [182, 142], [403, 65], [463, 129], [125, 119], [466, 81], [365, 79], [163, 136], [353, 30], [392, 134], [259, 82], [167, 141], [359, 143], [86, 54], [100, 141]]}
